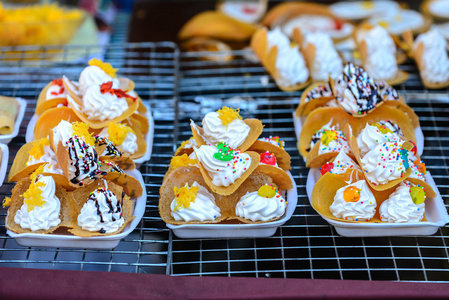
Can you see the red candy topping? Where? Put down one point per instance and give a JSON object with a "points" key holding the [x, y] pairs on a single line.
{"points": [[338, 24], [107, 88], [414, 150], [326, 167], [268, 158]]}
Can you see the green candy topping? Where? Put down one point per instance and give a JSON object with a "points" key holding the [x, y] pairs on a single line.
{"points": [[225, 153], [417, 194]]}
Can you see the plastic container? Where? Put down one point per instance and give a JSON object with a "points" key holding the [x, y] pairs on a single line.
{"points": [[98, 242], [261, 230], [6, 138], [436, 215], [4, 162]]}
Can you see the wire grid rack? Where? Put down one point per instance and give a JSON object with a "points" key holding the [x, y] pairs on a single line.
{"points": [[153, 67], [307, 246]]}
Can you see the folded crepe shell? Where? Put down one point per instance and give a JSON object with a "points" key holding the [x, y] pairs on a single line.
{"points": [[131, 186], [282, 11], [142, 109], [355, 149], [325, 189], [184, 150], [222, 190], [17, 202], [138, 121], [321, 116], [200, 44], [9, 108], [76, 103], [178, 178], [217, 25], [268, 57], [279, 176], [43, 104], [51, 118], [80, 196], [124, 162], [315, 160], [418, 56], [402, 105], [304, 108], [400, 77], [255, 131], [425, 9], [283, 159]]}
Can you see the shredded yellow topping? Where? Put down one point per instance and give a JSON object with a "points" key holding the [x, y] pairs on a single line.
{"points": [[82, 130], [37, 151], [6, 202], [33, 196], [42, 13], [106, 67], [182, 160], [184, 196], [183, 144], [367, 4], [227, 115], [117, 132]]}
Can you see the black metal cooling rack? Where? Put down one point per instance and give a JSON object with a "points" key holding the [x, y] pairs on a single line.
{"points": [[180, 87]]}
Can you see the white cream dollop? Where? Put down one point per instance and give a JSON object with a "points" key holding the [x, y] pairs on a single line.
{"points": [[362, 210], [335, 145], [291, 67], [434, 65], [62, 133], [129, 145], [234, 134], [101, 212], [49, 157], [400, 208], [371, 136], [416, 173], [381, 54], [222, 173], [383, 163], [256, 208], [93, 75], [203, 208], [99, 106], [327, 62], [343, 162], [53, 92], [41, 217]]}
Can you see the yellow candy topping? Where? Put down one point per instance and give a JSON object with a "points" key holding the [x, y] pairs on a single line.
{"points": [[82, 130], [6, 202], [367, 4], [351, 194], [37, 151], [266, 191], [182, 160], [382, 128], [227, 115], [383, 24], [106, 67], [33, 196], [185, 196], [418, 195], [328, 137], [117, 132]]}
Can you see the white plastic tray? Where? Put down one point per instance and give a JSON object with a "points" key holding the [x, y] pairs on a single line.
{"points": [[436, 215], [29, 136], [22, 107], [297, 121], [4, 162], [98, 242], [261, 230]]}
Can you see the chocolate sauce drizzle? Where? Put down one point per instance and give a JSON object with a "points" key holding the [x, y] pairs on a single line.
{"points": [[107, 196], [365, 91], [387, 91], [392, 126], [111, 149], [85, 160], [322, 90]]}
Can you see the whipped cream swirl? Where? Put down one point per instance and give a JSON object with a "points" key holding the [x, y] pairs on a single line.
{"points": [[49, 157], [93, 75], [102, 212], [371, 136], [62, 133], [128, 146], [400, 208], [83, 161], [384, 162], [361, 210], [234, 134], [291, 67], [356, 91], [327, 62], [222, 173], [203, 208], [343, 162], [434, 65], [257, 208], [336, 141], [41, 217], [102, 106]]}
